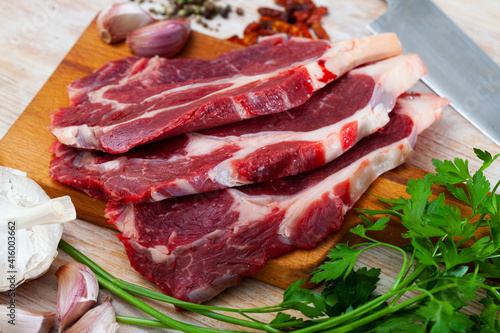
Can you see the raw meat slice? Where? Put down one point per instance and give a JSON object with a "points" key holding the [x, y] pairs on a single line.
{"points": [[280, 76], [133, 73], [255, 150], [194, 247]]}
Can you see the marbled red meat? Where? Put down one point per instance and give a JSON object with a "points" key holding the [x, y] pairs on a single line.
{"points": [[135, 101], [254, 150], [193, 247]]}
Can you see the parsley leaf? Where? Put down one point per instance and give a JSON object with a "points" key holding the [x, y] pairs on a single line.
{"points": [[450, 173], [284, 318], [342, 260], [485, 157], [489, 317], [442, 317], [304, 300], [352, 291], [402, 321], [362, 229]]}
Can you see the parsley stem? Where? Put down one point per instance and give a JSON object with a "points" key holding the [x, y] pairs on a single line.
{"points": [[408, 281], [403, 271], [404, 268], [493, 290]]}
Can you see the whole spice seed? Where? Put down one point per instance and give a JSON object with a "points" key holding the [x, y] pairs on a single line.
{"points": [[200, 10], [169, 9]]}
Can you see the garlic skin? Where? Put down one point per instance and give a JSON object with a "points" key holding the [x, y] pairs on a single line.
{"points": [[35, 245], [25, 320], [115, 21], [164, 38], [100, 319], [77, 290]]}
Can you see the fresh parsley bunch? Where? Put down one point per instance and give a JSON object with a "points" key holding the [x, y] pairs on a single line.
{"points": [[444, 274]]}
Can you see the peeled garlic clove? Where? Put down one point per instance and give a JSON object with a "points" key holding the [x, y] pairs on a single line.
{"points": [[115, 21], [100, 319], [18, 319], [77, 292], [165, 38]]}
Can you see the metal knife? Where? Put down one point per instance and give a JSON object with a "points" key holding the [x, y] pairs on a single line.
{"points": [[457, 68]]}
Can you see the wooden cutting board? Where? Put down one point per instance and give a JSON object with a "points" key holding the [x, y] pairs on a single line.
{"points": [[26, 147]]}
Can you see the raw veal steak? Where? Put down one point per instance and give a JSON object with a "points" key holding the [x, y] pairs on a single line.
{"points": [[258, 81], [255, 150], [194, 247]]}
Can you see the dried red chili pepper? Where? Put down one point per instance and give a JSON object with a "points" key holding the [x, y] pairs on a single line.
{"points": [[297, 19], [319, 31], [300, 16], [284, 27], [252, 27], [237, 40], [304, 29], [274, 13], [317, 14]]}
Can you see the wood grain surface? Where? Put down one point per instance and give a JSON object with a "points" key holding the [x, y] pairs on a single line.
{"points": [[37, 36]]}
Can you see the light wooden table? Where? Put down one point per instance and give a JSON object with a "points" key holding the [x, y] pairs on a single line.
{"points": [[37, 34]]}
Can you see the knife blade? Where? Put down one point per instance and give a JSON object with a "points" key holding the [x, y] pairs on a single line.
{"points": [[458, 69]]}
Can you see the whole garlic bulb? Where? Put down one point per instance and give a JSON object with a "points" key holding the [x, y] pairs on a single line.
{"points": [[30, 243]]}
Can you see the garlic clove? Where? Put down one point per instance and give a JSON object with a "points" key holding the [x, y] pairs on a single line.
{"points": [[164, 38], [100, 319], [115, 21], [16, 319], [77, 292]]}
